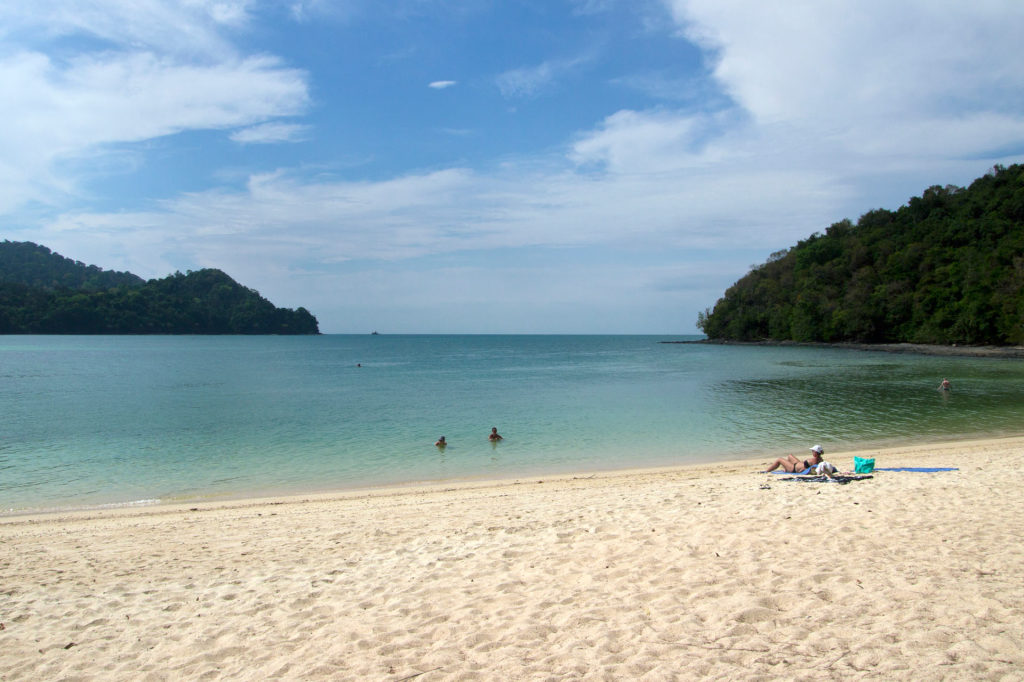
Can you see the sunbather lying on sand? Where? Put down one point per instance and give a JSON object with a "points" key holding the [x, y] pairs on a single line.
{"points": [[790, 464]]}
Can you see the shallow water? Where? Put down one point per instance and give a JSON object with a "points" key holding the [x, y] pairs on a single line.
{"points": [[91, 421]]}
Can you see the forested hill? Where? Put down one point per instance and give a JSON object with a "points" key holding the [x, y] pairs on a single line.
{"points": [[42, 292], [36, 266], [948, 267]]}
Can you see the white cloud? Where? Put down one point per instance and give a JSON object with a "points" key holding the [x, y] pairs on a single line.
{"points": [[456, 211], [270, 133], [192, 27], [441, 85], [630, 141], [55, 112], [165, 68], [816, 63]]}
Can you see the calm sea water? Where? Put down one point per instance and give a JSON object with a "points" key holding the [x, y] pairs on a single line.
{"points": [[92, 421]]}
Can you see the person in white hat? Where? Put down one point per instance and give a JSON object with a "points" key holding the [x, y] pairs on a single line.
{"points": [[790, 464]]}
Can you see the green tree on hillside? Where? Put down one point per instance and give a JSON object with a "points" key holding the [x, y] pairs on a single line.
{"points": [[946, 268], [44, 293]]}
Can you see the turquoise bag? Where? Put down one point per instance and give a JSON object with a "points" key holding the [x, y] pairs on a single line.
{"points": [[863, 466]]}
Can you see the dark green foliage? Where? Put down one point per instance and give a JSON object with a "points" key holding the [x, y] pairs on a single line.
{"points": [[44, 293], [946, 268], [37, 266]]}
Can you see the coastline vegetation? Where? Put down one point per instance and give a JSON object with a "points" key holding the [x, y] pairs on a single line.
{"points": [[42, 292], [946, 268]]}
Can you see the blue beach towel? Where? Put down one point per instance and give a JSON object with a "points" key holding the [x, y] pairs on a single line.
{"points": [[923, 470], [795, 473]]}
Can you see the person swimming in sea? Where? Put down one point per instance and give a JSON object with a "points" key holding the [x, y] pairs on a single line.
{"points": [[790, 464], [494, 436], [441, 443], [945, 385]]}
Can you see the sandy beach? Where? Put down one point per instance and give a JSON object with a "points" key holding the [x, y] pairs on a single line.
{"points": [[695, 572]]}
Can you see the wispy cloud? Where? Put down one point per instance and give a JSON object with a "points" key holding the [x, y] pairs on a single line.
{"points": [[441, 85], [168, 70], [592, 6], [690, 90], [55, 112], [459, 210], [303, 11], [271, 133], [532, 80], [194, 28]]}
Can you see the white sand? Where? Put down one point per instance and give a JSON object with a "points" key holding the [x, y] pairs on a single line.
{"points": [[681, 574]]}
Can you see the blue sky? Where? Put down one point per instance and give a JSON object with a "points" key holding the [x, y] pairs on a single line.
{"points": [[486, 166]]}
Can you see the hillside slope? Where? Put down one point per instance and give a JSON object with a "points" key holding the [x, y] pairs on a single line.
{"points": [[42, 292], [946, 268]]}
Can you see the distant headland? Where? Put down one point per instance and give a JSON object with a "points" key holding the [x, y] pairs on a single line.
{"points": [[945, 270], [42, 292]]}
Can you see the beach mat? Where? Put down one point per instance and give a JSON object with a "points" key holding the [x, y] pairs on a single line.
{"points": [[923, 470]]}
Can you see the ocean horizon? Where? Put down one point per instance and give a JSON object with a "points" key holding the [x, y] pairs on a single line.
{"points": [[96, 421]]}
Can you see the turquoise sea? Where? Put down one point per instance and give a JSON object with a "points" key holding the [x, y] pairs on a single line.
{"points": [[92, 421]]}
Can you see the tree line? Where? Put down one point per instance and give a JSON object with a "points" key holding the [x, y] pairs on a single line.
{"points": [[42, 292], [947, 267]]}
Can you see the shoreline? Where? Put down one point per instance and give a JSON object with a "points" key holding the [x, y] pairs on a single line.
{"points": [[1008, 352], [258, 497], [911, 451], [699, 571]]}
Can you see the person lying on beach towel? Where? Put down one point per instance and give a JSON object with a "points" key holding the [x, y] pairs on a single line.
{"points": [[823, 472], [826, 469], [792, 465]]}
